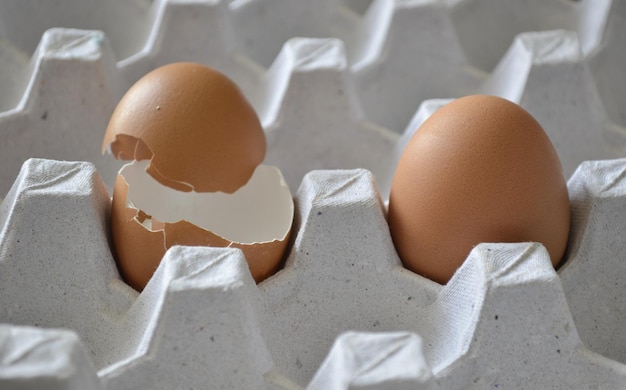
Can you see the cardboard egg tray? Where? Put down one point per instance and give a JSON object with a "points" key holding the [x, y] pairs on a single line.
{"points": [[337, 107]]}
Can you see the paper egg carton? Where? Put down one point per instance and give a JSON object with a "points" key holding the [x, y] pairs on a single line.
{"points": [[343, 312]]}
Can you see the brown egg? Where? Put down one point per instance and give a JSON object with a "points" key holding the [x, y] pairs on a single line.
{"points": [[196, 178], [480, 169]]}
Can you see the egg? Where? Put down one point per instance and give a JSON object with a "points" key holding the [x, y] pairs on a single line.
{"points": [[195, 179], [480, 169]]}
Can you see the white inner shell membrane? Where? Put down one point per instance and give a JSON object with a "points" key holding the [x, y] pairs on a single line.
{"points": [[260, 211]]}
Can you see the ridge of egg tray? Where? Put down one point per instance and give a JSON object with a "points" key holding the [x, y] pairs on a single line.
{"points": [[195, 179]]}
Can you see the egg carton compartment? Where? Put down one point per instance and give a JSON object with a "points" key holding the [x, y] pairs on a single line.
{"points": [[339, 100]]}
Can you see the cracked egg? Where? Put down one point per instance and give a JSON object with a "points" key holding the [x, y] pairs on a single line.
{"points": [[195, 179]]}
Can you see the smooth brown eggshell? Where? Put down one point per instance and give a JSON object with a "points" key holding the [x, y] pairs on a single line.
{"points": [[480, 169], [195, 126]]}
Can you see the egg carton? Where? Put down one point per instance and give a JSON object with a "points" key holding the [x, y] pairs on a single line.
{"points": [[506, 319], [343, 312], [326, 103]]}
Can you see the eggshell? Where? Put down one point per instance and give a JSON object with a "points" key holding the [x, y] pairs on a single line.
{"points": [[141, 239], [196, 144], [480, 169], [193, 123]]}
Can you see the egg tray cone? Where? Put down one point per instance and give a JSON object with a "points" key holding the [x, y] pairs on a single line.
{"points": [[343, 312]]}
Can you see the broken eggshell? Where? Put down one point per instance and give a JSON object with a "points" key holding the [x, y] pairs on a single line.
{"points": [[147, 218], [193, 124], [195, 179]]}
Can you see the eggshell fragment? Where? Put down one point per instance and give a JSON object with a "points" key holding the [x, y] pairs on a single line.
{"points": [[480, 169], [193, 124], [148, 218]]}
